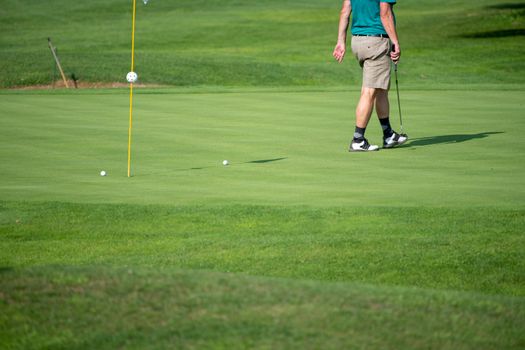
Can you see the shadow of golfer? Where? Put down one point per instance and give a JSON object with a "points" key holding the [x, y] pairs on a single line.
{"points": [[446, 139]]}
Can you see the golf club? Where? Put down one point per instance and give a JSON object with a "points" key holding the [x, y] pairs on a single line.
{"points": [[397, 91], [399, 101]]}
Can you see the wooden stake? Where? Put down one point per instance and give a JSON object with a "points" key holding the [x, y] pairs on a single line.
{"points": [[57, 62]]}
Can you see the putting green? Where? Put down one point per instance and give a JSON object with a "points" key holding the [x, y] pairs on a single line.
{"points": [[283, 147]]}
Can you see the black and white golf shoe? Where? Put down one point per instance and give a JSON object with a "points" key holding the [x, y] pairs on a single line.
{"points": [[394, 140], [362, 146]]}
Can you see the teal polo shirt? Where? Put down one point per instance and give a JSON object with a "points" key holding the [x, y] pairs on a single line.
{"points": [[366, 19]]}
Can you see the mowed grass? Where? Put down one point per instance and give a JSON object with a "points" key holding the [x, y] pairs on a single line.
{"points": [[106, 308], [297, 243], [284, 148], [253, 43], [471, 250]]}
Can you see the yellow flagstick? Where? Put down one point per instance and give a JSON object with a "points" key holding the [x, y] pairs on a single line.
{"points": [[131, 87]]}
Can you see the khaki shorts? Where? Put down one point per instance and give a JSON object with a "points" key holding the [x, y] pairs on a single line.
{"points": [[373, 54]]}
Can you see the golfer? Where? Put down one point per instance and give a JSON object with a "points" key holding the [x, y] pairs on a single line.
{"points": [[374, 44]]}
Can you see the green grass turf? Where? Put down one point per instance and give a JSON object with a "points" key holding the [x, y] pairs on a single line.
{"points": [[472, 250], [297, 243], [144, 308], [253, 43], [410, 248], [284, 148]]}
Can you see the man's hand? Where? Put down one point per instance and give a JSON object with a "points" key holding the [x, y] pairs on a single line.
{"points": [[340, 48], [387, 19], [395, 54], [339, 52]]}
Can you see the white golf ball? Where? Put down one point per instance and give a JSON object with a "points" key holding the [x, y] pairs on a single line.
{"points": [[103, 173], [131, 77], [225, 162]]}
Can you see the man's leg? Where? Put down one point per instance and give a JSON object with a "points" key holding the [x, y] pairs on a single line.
{"points": [[383, 111], [390, 137], [382, 104], [363, 112], [365, 107]]}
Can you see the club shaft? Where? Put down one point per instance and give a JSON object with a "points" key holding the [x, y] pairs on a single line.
{"points": [[398, 99]]}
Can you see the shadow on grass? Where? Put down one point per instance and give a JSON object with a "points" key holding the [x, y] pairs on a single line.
{"points": [[260, 161], [495, 34], [507, 6], [266, 160], [199, 168], [446, 139]]}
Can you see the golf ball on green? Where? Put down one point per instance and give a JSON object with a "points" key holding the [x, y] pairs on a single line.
{"points": [[103, 173], [225, 162]]}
